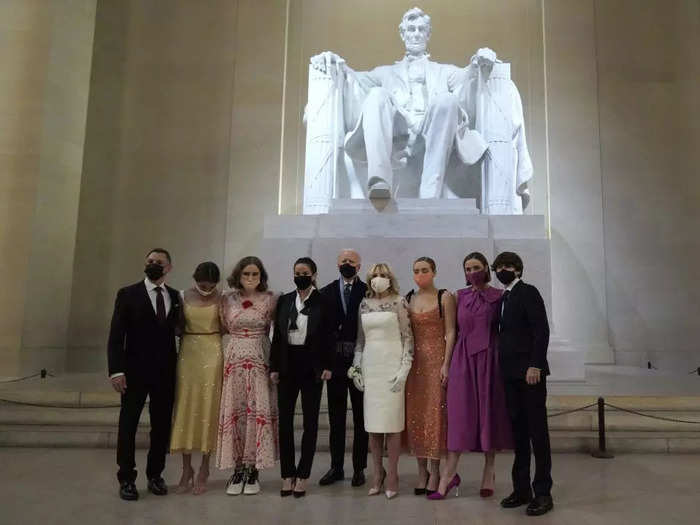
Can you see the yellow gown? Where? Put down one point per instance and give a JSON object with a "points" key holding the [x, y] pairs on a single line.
{"points": [[198, 387]]}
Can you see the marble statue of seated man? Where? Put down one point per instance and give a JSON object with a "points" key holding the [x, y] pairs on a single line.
{"points": [[393, 107]]}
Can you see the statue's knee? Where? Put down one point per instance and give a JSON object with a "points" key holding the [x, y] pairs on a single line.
{"points": [[377, 96], [446, 102]]}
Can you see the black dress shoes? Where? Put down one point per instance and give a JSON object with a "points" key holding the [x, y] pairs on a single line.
{"points": [[515, 500], [358, 478], [157, 486], [127, 491], [331, 477], [540, 505]]}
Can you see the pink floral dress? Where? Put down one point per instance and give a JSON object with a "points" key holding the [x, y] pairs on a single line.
{"points": [[248, 415]]}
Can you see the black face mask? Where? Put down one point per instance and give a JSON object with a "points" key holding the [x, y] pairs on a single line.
{"points": [[153, 271], [303, 281], [347, 270], [506, 276]]}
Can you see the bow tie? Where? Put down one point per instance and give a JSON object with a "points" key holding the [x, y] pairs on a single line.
{"points": [[293, 314]]}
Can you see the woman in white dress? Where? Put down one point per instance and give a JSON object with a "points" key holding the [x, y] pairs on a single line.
{"points": [[383, 358]]}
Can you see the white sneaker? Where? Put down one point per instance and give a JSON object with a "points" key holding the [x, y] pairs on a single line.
{"points": [[252, 486], [235, 484]]}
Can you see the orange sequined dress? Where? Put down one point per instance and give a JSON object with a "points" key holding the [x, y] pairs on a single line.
{"points": [[426, 407]]}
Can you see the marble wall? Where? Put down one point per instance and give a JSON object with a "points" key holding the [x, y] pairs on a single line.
{"points": [[45, 57], [189, 107], [648, 86]]}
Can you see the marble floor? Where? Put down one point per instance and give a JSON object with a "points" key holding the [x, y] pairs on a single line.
{"points": [[67, 486]]}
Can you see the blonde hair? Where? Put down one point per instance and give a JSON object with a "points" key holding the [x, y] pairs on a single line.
{"points": [[385, 269]]}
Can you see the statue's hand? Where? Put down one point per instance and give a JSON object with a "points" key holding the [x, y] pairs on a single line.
{"points": [[485, 56], [525, 195], [324, 62]]}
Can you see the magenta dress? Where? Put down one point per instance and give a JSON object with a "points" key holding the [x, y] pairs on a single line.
{"points": [[477, 418]]}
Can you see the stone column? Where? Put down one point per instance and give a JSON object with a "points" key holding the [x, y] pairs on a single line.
{"points": [[579, 306], [44, 83]]}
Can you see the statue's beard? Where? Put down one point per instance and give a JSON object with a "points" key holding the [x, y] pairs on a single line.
{"points": [[416, 48]]}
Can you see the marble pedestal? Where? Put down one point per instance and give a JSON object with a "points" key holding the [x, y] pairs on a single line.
{"points": [[399, 232]]}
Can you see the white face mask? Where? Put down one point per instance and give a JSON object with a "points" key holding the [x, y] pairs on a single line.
{"points": [[203, 293], [380, 284]]}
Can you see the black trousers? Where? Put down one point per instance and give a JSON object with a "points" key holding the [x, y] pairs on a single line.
{"points": [[337, 390], [160, 408], [300, 378], [528, 415]]}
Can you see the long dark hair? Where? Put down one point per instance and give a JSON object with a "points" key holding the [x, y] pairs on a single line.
{"points": [[308, 261], [207, 272], [479, 257]]}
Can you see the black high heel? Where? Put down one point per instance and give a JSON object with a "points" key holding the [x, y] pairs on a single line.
{"points": [[422, 491], [286, 493], [298, 493]]}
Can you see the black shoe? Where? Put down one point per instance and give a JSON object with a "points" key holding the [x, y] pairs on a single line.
{"points": [[540, 505], [331, 477], [127, 491], [358, 478], [429, 492], [515, 500], [157, 486]]}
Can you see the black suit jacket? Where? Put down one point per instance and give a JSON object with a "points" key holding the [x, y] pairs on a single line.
{"points": [[139, 345], [523, 332], [319, 333], [345, 325]]}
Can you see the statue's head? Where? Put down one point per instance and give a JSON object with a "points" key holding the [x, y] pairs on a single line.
{"points": [[415, 30]]}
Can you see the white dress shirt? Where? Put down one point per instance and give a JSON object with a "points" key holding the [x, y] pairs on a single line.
{"points": [[508, 289], [298, 337], [152, 295]]}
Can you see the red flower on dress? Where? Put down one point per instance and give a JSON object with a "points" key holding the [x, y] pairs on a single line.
{"points": [[246, 304]]}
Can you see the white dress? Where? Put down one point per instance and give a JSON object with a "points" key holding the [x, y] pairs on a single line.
{"points": [[386, 342]]}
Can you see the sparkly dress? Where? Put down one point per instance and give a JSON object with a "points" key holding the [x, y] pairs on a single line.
{"points": [[248, 417], [426, 406], [385, 339], [198, 386]]}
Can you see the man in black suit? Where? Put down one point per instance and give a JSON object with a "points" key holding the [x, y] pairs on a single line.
{"points": [[522, 346], [346, 294], [142, 356]]}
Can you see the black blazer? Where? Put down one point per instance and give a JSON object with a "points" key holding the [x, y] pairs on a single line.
{"points": [[319, 333], [139, 345], [523, 332], [345, 325]]}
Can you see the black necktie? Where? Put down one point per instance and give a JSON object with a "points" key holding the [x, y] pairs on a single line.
{"points": [[505, 296], [503, 308], [346, 296], [160, 304], [293, 313]]}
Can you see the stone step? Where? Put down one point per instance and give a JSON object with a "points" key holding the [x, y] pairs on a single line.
{"points": [[67, 436], [89, 426]]}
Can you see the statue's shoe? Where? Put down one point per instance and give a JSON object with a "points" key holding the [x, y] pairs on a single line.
{"points": [[379, 190]]}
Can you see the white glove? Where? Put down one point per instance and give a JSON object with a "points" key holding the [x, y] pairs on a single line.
{"points": [[399, 380], [355, 372]]}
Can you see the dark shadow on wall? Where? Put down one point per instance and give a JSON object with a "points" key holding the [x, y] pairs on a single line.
{"points": [[92, 298]]}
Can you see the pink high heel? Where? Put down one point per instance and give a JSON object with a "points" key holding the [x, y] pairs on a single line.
{"points": [[487, 493], [456, 480]]}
